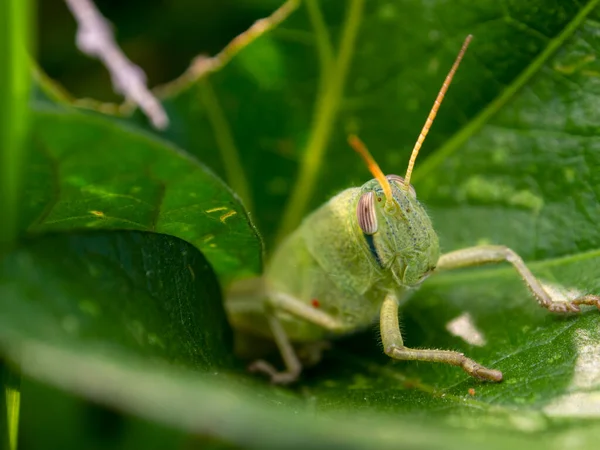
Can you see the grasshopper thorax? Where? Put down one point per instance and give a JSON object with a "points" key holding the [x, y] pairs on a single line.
{"points": [[398, 232]]}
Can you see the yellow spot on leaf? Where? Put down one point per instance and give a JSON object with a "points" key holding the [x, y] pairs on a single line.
{"points": [[220, 208], [97, 213], [192, 272], [226, 216]]}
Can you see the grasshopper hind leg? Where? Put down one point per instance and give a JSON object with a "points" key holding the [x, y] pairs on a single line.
{"points": [[307, 354], [293, 366], [253, 310]]}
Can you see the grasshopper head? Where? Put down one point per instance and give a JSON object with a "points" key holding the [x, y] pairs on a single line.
{"points": [[397, 231], [396, 228]]}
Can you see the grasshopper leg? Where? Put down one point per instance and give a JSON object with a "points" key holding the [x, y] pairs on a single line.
{"points": [[292, 305], [486, 254], [290, 359], [394, 346], [292, 363]]}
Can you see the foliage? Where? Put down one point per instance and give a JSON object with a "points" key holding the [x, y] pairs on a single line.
{"points": [[92, 303]]}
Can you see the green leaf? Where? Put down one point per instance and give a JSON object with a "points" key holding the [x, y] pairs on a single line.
{"points": [[135, 320], [155, 300], [87, 173], [151, 295]]}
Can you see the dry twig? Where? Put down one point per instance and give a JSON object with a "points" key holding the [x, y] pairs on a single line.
{"points": [[95, 38]]}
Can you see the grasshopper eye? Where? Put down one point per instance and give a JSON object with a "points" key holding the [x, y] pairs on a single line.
{"points": [[365, 212], [400, 182]]}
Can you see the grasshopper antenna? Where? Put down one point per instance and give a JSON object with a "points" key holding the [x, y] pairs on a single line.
{"points": [[361, 149], [434, 110]]}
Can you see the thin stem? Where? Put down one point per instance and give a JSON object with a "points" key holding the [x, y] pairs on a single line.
{"points": [[234, 170], [201, 66], [325, 114], [95, 38], [11, 387], [324, 47], [15, 76]]}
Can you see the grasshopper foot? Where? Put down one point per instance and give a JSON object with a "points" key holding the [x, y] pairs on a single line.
{"points": [[476, 370], [277, 377], [573, 305], [592, 300]]}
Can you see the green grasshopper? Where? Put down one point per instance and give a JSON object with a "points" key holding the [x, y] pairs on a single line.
{"points": [[352, 259]]}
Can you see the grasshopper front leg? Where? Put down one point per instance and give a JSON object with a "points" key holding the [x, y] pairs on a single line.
{"points": [[486, 254], [394, 346]]}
